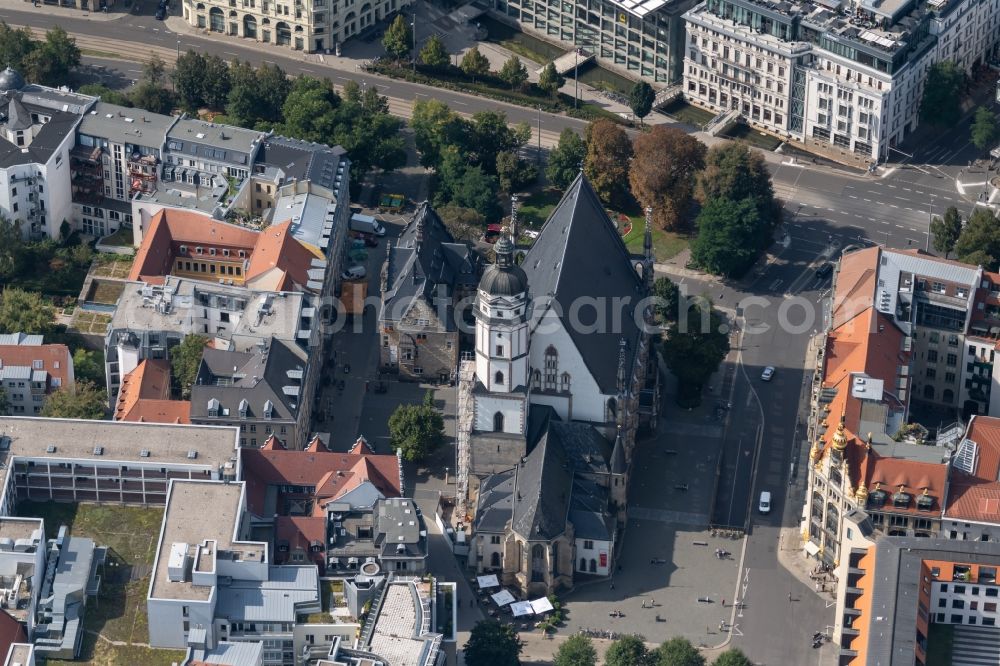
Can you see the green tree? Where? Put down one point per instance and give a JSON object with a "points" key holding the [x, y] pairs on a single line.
{"points": [[946, 231], [398, 39], [735, 171], [493, 644], [274, 87], [16, 44], [464, 224], [576, 651], [942, 101], [477, 190], [106, 94], [491, 135], [640, 100], [82, 401], [184, 361], [566, 159], [11, 249], [311, 110], [676, 652], [434, 54], [24, 312], [189, 80], [732, 657], [154, 70], [667, 296], [53, 60], [216, 83], [985, 129], [152, 98], [662, 174], [627, 651], [550, 80], [513, 73], [416, 431], [979, 243], [694, 347], [244, 95], [88, 366], [730, 236], [4, 402], [475, 64], [434, 127], [513, 173], [606, 164]]}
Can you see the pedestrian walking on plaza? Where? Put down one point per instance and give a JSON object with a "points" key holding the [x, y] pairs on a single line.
{"points": [[723, 602], [789, 597]]}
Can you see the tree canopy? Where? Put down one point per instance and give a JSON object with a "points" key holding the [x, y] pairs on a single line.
{"points": [[626, 651], [676, 652], [730, 236], [88, 366], [493, 644], [416, 430], [667, 296], [82, 401], [189, 80], [695, 345], [607, 162], [474, 63], [434, 54], [550, 80], [946, 231], [566, 159], [979, 242], [662, 174], [398, 39], [578, 650], [513, 73], [941, 103], [735, 171], [732, 657], [985, 129], [464, 224], [640, 99], [184, 361], [24, 312]]}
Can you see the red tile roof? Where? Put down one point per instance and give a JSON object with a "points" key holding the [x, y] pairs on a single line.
{"points": [[332, 474], [300, 532], [277, 249], [55, 359], [976, 496], [145, 396], [11, 632], [316, 445]]}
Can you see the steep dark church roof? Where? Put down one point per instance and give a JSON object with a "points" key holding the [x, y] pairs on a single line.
{"points": [[579, 254]]}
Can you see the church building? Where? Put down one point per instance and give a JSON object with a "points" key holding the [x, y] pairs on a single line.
{"points": [[549, 407]]}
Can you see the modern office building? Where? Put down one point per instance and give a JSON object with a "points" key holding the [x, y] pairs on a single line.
{"points": [[319, 25], [843, 78], [38, 128], [637, 38]]}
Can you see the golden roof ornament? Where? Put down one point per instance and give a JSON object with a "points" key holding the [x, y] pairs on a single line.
{"points": [[817, 450], [840, 437], [861, 494]]}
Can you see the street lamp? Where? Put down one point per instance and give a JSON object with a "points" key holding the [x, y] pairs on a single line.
{"points": [[539, 136], [413, 25], [576, 78]]}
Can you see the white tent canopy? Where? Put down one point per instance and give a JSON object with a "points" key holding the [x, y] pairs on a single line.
{"points": [[487, 581], [542, 605], [519, 608], [503, 597]]}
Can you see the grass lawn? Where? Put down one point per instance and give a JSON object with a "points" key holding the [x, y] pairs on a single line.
{"points": [[130, 533], [112, 265], [688, 113], [105, 291], [122, 237], [94, 323], [536, 208], [939, 638], [100, 653], [666, 244]]}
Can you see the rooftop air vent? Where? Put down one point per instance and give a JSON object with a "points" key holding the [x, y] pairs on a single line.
{"points": [[192, 454], [144, 453], [51, 448], [98, 450]]}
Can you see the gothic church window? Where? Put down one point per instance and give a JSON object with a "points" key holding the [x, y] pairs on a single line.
{"points": [[551, 368], [498, 422]]}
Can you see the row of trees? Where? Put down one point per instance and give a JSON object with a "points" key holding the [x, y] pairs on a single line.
{"points": [[494, 644], [941, 105], [48, 61], [976, 241], [667, 169], [473, 159]]}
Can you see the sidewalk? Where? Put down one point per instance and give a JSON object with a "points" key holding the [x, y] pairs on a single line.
{"points": [[114, 14]]}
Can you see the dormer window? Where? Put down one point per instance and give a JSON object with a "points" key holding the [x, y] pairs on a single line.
{"points": [[198, 250], [925, 502], [901, 500]]}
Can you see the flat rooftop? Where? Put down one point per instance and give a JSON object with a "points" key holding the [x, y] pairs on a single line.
{"points": [[204, 133], [124, 125], [20, 653], [20, 528], [78, 439], [196, 510]]}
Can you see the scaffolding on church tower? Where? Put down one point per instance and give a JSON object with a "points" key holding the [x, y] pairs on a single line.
{"points": [[465, 416]]}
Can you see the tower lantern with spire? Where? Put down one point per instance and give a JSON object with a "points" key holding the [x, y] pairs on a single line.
{"points": [[647, 251]]}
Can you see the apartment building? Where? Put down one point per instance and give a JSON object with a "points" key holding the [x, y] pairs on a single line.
{"points": [[144, 395], [891, 590], [37, 132], [210, 585], [303, 25], [31, 370], [118, 152], [426, 277], [71, 460], [843, 78], [639, 39], [150, 319]]}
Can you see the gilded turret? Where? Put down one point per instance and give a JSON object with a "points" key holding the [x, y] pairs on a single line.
{"points": [[816, 451], [861, 495], [840, 437]]}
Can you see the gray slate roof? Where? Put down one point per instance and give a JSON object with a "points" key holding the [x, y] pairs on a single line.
{"points": [[433, 268], [15, 112], [257, 380], [495, 505], [302, 160], [124, 125], [896, 593], [588, 511], [398, 527], [579, 254]]}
